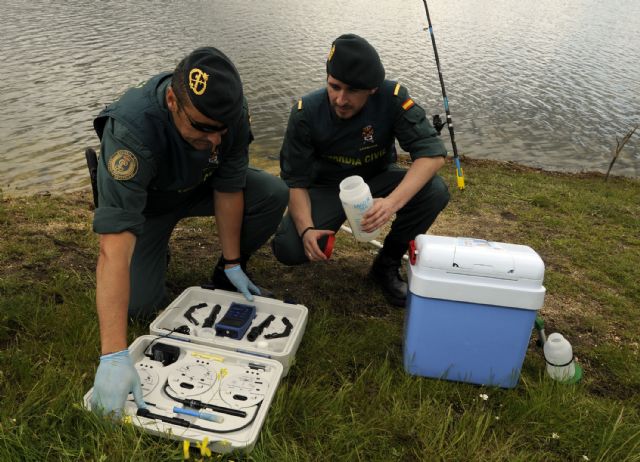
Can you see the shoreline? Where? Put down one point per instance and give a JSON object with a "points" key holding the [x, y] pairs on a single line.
{"points": [[270, 165]]}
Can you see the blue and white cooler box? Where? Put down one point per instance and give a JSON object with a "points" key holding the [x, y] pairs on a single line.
{"points": [[471, 309]]}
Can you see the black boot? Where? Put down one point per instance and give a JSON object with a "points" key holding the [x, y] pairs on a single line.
{"points": [[385, 273]]}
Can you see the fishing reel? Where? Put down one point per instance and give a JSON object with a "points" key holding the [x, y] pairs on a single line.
{"points": [[437, 123]]}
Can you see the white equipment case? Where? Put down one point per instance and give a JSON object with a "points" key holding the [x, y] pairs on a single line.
{"points": [[212, 387]]}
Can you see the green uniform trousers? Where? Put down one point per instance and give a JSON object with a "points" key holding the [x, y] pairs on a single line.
{"points": [[265, 199], [327, 213]]}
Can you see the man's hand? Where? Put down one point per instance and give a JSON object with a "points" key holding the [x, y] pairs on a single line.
{"points": [[242, 282], [115, 379], [418, 175], [300, 210], [310, 243], [380, 213]]}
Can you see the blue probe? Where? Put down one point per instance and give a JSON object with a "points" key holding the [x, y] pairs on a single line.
{"points": [[201, 415]]}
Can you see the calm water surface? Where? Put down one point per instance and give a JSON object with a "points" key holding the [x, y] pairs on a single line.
{"points": [[549, 84]]}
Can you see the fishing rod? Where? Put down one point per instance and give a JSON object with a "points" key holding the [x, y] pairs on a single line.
{"points": [[436, 118]]}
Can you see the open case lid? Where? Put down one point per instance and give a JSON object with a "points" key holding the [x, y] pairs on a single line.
{"points": [[191, 309]]}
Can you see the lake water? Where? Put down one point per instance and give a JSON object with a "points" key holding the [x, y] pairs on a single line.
{"points": [[549, 83]]}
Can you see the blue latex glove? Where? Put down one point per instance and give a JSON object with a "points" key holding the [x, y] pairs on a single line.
{"points": [[116, 377], [242, 282]]}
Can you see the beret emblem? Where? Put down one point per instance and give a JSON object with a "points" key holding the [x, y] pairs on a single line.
{"points": [[198, 81], [331, 52]]}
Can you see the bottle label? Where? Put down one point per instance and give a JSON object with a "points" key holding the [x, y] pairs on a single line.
{"points": [[363, 206]]}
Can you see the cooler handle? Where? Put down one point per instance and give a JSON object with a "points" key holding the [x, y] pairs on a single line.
{"points": [[412, 252]]}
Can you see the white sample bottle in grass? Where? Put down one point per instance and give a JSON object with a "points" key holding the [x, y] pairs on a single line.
{"points": [[558, 354], [356, 200]]}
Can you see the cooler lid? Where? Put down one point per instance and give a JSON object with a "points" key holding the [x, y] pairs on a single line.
{"points": [[478, 257]]}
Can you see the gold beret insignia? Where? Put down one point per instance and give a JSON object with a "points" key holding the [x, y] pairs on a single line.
{"points": [[198, 81], [331, 52]]}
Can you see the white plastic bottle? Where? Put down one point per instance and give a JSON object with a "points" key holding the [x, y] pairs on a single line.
{"points": [[558, 354], [356, 200]]}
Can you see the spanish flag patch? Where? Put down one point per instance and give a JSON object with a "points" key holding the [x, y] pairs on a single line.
{"points": [[408, 104]]}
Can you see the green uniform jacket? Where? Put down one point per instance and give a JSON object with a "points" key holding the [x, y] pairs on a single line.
{"points": [[147, 169], [321, 149]]}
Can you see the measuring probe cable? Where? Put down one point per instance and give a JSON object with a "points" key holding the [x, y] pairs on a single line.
{"points": [[142, 412], [197, 404]]}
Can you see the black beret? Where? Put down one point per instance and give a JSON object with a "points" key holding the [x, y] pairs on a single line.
{"points": [[354, 61], [213, 85]]}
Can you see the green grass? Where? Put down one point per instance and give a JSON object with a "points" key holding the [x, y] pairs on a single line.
{"points": [[348, 397]]}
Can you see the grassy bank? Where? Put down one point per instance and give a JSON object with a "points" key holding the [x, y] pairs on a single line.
{"points": [[347, 397]]}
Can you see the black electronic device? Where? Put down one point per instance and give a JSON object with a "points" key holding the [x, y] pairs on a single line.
{"points": [[236, 321], [166, 354]]}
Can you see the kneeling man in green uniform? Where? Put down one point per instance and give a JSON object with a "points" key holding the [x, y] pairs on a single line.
{"points": [[349, 128], [175, 147]]}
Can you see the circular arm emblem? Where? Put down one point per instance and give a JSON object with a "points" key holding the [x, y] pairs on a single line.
{"points": [[123, 165]]}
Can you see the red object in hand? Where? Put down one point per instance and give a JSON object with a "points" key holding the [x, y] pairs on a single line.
{"points": [[412, 252], [328, 249]]}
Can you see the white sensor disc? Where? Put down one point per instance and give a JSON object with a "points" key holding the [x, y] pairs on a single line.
{"points": [[192, 379], [243, 390], [149, 378]]}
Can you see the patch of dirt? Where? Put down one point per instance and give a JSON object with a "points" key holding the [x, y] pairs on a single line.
{"points": [[67, 230]]}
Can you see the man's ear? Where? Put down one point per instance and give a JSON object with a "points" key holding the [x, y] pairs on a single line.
{"points": [[172, 101]]}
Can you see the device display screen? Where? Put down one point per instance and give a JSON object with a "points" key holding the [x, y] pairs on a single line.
{"points": [[232, 322]]}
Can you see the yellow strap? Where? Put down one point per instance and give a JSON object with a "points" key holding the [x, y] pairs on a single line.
{"points": [[299, 104], [396, 90]]}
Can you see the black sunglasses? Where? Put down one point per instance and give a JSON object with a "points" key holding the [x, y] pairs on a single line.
{"points": [[206, 128]]}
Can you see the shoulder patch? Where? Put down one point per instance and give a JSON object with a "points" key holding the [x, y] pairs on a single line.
{"points": [[408, 104], [123, 165], [300, 104], [396, 90]]}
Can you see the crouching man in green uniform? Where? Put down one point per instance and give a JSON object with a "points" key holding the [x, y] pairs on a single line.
{"points": [[175, 147], [349, 128]]}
